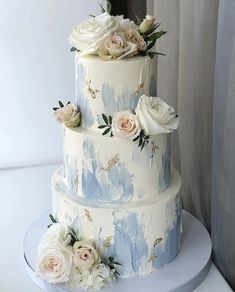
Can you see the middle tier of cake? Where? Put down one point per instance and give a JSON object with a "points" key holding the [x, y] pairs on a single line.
{"points": [[109, 169]]}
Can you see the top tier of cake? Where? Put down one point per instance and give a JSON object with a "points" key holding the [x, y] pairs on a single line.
{"points": [[106, 87]]}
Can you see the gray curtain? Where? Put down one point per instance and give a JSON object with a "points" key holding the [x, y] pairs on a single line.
{"points": [[223, 161], [198, 77]]}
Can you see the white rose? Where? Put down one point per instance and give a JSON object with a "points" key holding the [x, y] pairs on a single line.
{"points": [[68, 115], [56, 235], [126, 24], [85, 255], [156, 116], [125, 125], [54, 264], [90, 35], [134, 36]]}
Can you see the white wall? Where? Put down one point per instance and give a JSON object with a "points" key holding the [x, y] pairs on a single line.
{"points": [[36, 69]]}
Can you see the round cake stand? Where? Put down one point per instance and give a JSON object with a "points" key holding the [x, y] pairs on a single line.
{"points": [[184, 274]]}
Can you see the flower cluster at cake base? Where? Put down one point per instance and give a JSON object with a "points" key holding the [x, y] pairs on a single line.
{"points": [[152, 116], [65, 259]]}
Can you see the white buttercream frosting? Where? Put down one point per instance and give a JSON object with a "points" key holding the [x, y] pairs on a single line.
{"points": [[142, 236]]}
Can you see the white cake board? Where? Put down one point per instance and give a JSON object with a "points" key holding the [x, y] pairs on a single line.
{"points": [[184, 274]]}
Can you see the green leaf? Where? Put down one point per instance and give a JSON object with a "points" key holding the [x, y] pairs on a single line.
{"points": [[55, 108], [105, 119], [155, 35], [151, 45], [106, 131], [48, 226], [116, 272], [140, 141], [53, 220], [161, 54], [111, 134], [68, 102], [61, 104], [102, 8], [136, 138], [110, 120], [147, 137], [91, 15], [156, 25], [73, 49], [102, 126], [138, 20], [111, 259], [142, 147], [118, 264]]}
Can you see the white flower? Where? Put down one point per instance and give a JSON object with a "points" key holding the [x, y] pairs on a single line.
{"points": [[56, 235], [68, 115], [85, 255], [133, 36], [156, 116], [54, 264], [147, 25], [125, 125], [90, 35], [125, 24], [97, 277]]}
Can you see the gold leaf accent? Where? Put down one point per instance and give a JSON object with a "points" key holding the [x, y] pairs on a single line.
{"points": [[139, 89], [152, 257], [157, 241], [154, 147], [107, 241], [88, 215], [111, 163], [93, 92]]}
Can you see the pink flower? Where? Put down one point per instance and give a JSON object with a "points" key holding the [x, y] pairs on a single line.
{"points": [[125, 125]]}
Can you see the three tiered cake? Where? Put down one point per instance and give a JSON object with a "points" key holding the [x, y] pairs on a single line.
{"points": [[116, 200]]}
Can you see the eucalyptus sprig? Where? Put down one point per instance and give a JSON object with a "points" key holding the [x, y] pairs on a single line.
{"points": [[107, 126], [61, 105], [53, 220], [73, 49], [142, 139], [112, 264]]}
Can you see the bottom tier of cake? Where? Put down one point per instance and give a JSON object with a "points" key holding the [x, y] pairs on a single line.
{"points": [[141, 236]]}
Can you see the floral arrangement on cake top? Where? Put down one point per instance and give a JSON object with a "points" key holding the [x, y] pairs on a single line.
{"points": [[63, 258], [115, 37]]}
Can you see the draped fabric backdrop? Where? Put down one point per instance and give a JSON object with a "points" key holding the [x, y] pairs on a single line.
{"points": [[198, 78]]}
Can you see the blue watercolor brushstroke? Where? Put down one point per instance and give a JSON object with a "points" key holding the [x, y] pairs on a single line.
{"points": [[81, 100], [167, 253], [104, 251], [164, 174], [99, 185], [72, 174], [127, 100], [129, 243]]}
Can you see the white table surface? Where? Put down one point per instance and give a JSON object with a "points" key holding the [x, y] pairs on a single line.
{"points": [[25, 194]]}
